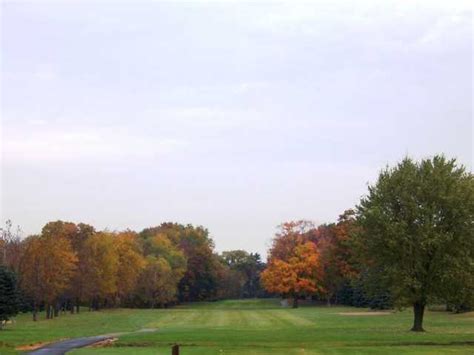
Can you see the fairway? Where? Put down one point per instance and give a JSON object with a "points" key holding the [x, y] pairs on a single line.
{"points": [[253, 327]]}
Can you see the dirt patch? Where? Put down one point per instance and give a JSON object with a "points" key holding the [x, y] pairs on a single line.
{"points": [[34, 346], [104, 343], [364, 313]]}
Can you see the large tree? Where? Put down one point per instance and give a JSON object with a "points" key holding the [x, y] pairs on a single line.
{"points": [[418, 232]]}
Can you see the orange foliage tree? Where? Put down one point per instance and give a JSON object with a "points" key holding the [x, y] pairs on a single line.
{"points": [[293, 271], [47, 267]]}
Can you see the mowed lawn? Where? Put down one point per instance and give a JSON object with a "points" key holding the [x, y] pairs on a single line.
{"points": [[253, 327]]}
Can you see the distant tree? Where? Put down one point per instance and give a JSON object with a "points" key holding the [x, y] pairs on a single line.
{"points": [[334, 244], [157, 285], [47, 267], [76, 290], [200, 279], [9, 297], [165, 266], [418, 232], [10, 246], [76, 235], [130, 263], [290, 235], [102, 264], [297, 275], [230, 280], [244, 270]]}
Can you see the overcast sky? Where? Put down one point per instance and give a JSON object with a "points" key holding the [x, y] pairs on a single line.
{"points": [[231, 115]]}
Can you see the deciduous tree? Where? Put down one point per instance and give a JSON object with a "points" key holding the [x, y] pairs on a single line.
{"points": [[130, 263], [47, 267], [298, 275], [418, 232], [102, 264]]}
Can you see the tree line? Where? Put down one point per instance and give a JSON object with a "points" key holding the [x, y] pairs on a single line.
{"points": [[409, 242], [71, 265]]}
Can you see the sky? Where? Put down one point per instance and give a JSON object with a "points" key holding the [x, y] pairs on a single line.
{"points": [[233, 115]]}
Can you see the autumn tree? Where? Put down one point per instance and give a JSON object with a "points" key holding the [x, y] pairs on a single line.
{"points": [[130, 263], [290, 235], [200, 279], [76, 235], [165, 267], [47, 267], [78, 239], [293, 271], [10, 246], [337, 259], [101, 266], [157, 285], [418, 233]]}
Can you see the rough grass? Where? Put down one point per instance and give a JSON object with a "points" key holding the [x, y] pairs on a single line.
{"points": [[253, 327]]}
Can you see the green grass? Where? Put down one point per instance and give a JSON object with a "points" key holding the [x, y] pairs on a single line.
{"points": [[254, 327]]}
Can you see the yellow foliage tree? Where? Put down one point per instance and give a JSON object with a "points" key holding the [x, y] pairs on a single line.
{"points": [[130, 263], [102, 264]]}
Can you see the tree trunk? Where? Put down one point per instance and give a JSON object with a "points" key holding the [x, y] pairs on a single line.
{"points": [[56, 310], [295, 301], [418, 310], [35, 312], [78, 307]]}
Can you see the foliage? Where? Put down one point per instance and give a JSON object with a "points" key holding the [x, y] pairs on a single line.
{"points": [[200, 278], [9, 297], [47, 267], [102, 265], [10, 246], [242, 274], [164, 268], [299, 273], [417, 232], [130, 263]]}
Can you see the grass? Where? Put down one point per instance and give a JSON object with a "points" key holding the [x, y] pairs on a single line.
{"points": [[253, 327]]}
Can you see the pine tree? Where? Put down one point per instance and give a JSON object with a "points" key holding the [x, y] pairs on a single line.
{"points": [[9, 297]]}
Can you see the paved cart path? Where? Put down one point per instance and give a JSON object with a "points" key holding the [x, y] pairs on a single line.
{"points": [[62, 347]]}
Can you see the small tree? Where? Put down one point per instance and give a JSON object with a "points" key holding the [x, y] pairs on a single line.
{"points": [[9, 298], [418, 232]]}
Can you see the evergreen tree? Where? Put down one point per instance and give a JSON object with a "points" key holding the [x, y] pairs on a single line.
{"points": [[9, 297]]}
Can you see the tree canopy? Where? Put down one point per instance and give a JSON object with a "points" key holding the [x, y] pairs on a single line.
{"points": [[417, 232]]}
